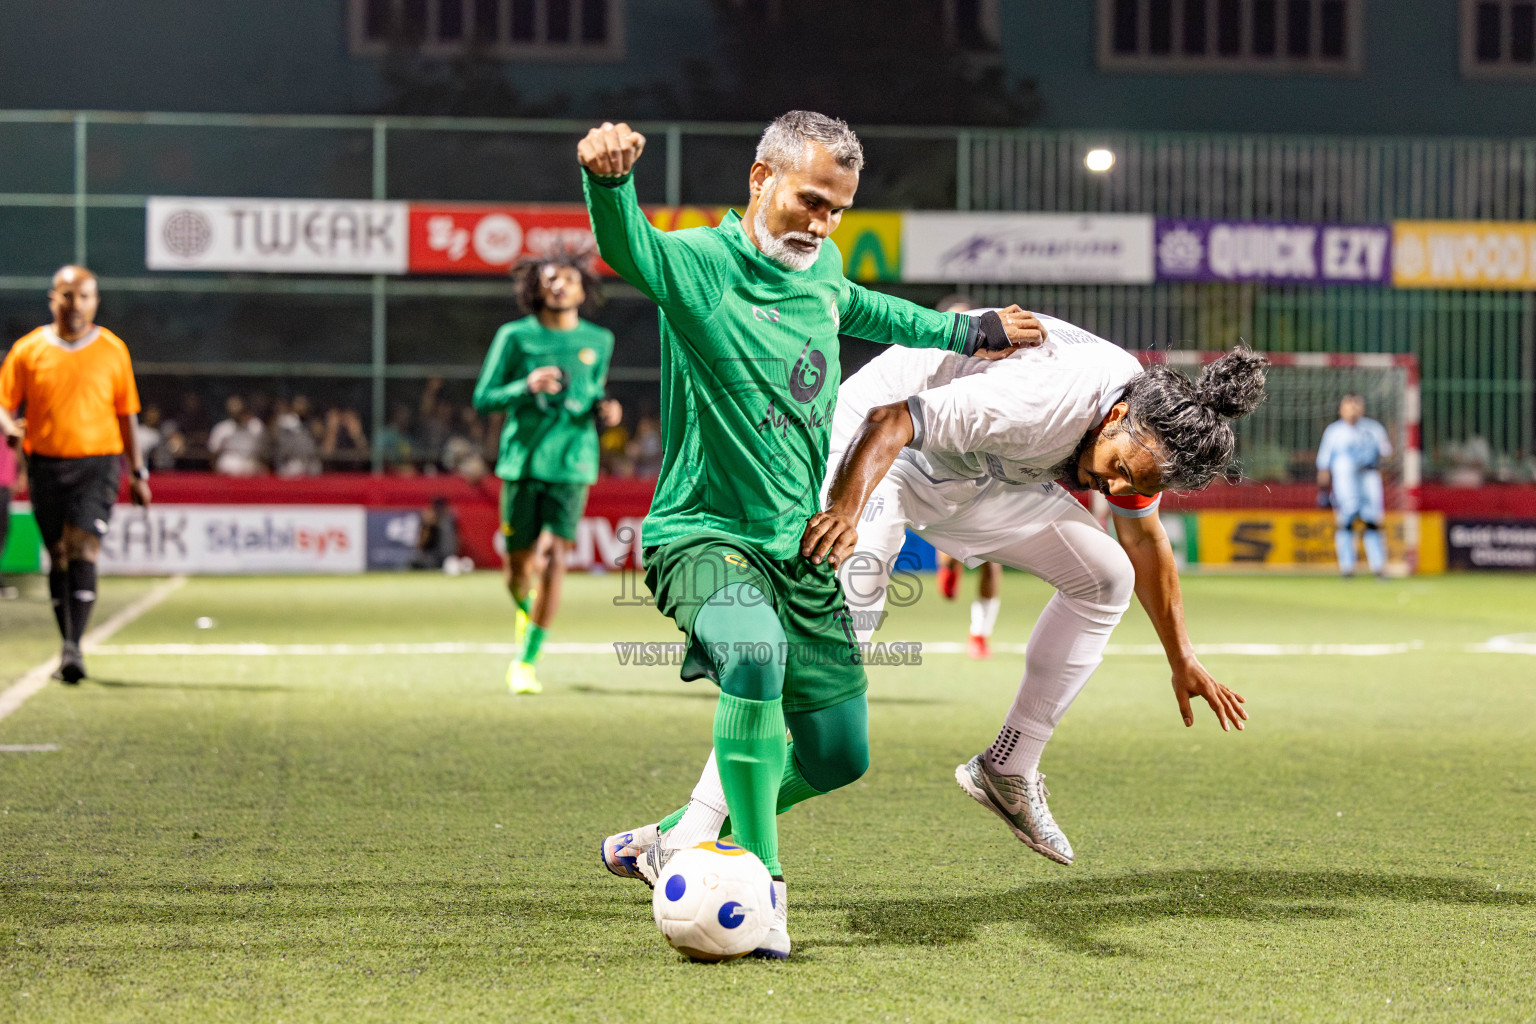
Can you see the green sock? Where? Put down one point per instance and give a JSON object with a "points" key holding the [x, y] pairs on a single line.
{"points": [[524, 604], [531, 643], [750, 750], [793, 789]]}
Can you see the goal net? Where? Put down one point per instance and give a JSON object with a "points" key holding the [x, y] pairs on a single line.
{"points": [[1271, 518]]}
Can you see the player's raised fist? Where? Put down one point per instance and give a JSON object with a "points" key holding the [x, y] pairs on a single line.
{"points": [[610, 150]]}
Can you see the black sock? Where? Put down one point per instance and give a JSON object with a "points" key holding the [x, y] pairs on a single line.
{"points": [[58, 589], [82, 596]]}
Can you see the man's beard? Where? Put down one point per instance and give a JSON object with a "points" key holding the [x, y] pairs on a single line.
{"points": [[1067, 469], [779, 249]]}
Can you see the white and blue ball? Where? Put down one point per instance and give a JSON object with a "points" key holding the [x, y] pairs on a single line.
{"points": [[714, 901]]}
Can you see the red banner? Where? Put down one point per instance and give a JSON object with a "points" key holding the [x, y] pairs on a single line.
{"points": [[483, 239], [475, 239]]}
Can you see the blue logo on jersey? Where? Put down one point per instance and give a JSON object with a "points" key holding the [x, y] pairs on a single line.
{"points": [[808, 375], [731, 915]]}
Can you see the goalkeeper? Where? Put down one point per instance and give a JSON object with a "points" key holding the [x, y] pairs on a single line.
{"points": [[750, 317]]}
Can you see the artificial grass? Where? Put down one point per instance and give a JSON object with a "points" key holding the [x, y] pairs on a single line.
{"points": [[391, 837]]}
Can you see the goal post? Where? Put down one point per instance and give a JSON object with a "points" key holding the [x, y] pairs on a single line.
{"points": [[1277, 448]]}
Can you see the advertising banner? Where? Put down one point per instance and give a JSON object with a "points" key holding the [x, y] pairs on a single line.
{"points": [[477, 239], [1259, 539], [1006, 248], [1508, 544], [392, 536], [1220, 250], [235, 539], [293, 236], [1463, 254]]}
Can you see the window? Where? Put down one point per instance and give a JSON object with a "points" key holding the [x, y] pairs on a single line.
{"points": [[1498, 38], [509, 29], [1275, 36]]}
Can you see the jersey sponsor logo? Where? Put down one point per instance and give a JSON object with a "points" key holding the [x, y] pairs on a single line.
{"points": [[588, 356], [808, 375], [735, 559], [873, 508], [771, 315]]}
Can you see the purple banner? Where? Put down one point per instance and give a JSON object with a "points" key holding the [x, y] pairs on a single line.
{"points": [[1235, 250]]}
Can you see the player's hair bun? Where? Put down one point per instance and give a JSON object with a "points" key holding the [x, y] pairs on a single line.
{"points": [[1233, 385]]}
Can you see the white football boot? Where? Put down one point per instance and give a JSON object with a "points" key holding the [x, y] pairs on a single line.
{"points": [[622, 851], [1020, 802], [775, 945]]}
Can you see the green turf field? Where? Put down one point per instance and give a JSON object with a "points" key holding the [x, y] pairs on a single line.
{"points": [[389, 837]]}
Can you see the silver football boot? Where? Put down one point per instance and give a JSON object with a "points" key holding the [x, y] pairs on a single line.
{"points": [[1020, 802]]}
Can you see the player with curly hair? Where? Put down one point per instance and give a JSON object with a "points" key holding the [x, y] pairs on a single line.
{"points": [[547, 372], [968, 453]]}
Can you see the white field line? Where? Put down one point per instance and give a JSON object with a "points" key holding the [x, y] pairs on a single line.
{"points": [[37, 677], [28, 748], [259, 650]]}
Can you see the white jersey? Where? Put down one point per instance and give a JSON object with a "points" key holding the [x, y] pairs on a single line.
{"points": [[1014, 419]]}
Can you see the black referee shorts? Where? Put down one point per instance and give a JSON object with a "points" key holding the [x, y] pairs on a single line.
{"points": [[74, 492]]}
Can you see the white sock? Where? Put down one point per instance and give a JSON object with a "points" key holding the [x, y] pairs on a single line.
{"points": [[1065, 647], [984, 615], [706, 812]]}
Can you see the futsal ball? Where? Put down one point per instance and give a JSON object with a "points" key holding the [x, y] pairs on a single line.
{"points": [[713, 901]]}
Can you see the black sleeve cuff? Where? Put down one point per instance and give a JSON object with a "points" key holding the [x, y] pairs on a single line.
{"points": [[597, 179], [986, 332]]}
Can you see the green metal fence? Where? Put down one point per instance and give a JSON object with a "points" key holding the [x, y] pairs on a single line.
{"points": [[73, 186]]}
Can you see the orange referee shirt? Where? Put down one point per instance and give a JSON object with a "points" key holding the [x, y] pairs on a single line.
{"points": [[73, 391]]}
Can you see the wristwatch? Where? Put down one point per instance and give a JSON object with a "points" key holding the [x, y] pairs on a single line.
{"points": [[142, 473]]}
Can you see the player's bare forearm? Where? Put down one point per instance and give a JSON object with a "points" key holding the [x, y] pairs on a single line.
{"points": [[138, 488], [1157, 588], [831, 534], [1157, 581]]}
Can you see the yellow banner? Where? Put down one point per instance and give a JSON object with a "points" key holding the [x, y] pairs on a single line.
{"points": [[1264, 539], [1463, 254], [870, 240]]}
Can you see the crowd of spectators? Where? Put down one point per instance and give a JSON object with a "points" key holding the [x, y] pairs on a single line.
{"points": [[259, 435]]}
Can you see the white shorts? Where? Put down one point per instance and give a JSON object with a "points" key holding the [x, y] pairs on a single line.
{"points": [[1037, 528]]}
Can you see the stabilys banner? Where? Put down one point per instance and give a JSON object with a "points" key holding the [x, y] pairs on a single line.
{"points": [[235, 539], [1224, 250], [1005, 248]]}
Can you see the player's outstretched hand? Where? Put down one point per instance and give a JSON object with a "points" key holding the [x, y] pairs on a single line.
{"points": [[1192, 680], [612, 412], [610, 150], [829, 537], [138, 490]]}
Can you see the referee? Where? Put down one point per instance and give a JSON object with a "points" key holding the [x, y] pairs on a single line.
{"points": [[73, 384]]}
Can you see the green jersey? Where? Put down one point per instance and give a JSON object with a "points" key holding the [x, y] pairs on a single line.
{"points": [[546, 437], [749, 367]]}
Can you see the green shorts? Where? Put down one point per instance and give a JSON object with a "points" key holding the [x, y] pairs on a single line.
{"points": [[822, 663], [529, 507]]}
